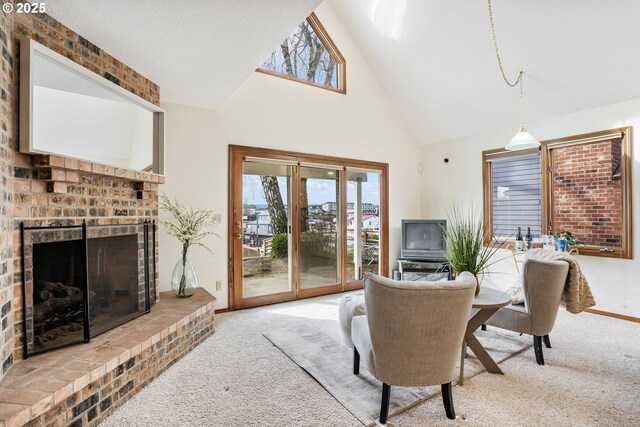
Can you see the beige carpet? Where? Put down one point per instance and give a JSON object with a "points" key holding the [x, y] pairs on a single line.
{"points": [[238, 378], [330, 362]]}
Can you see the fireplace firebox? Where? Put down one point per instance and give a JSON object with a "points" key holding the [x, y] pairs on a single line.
{"points": [[81, 281]]}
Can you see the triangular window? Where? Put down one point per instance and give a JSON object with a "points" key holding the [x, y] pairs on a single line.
{"points": [[308, 56]]}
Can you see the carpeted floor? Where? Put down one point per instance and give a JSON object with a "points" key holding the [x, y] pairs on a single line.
{"points": [[238, 378], [330, 362]]}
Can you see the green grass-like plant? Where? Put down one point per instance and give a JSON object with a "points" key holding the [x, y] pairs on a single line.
{"points": [[466, 248]]}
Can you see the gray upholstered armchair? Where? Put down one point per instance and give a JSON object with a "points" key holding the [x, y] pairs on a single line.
{"points": [[412, 333], [543, 284]]}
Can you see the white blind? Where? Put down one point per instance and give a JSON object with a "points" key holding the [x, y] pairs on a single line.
{"points": [[270, 161], [321, 166], [492, 157], [516, 196], [600, 138]]}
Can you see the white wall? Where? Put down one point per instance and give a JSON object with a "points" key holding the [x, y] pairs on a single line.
{"points": [[267, 111], [196, 174], [615, 283]]}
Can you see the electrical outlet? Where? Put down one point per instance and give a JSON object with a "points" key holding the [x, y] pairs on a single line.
{"points": [[218, 285]]}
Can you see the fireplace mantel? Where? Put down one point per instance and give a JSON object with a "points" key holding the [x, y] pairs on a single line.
{"points": [[59, 171]]}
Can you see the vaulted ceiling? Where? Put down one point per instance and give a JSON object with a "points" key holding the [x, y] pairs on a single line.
{"points": [[437, 61], [434, 57], [199, 52]]}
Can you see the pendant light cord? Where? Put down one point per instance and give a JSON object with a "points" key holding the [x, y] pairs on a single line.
{"points": [[504, 76]]}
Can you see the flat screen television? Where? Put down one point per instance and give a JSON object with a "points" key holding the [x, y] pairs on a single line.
{"points": [[423, 239]]}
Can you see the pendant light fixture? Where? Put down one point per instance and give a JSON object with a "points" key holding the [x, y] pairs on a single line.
{"points": [[523, 140]]}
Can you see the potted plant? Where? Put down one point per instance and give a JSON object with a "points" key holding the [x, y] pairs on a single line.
{"points": [[466, 247], [190, 226]]}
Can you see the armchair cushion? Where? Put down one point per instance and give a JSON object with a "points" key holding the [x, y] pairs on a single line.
{"points": [[362, 341], [513, 317], [351, 305]]}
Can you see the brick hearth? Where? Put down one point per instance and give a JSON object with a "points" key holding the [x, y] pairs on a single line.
{"points": [[84, 383]]}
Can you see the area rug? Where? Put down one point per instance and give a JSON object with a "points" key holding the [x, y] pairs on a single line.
{"points": [[330, 362]]}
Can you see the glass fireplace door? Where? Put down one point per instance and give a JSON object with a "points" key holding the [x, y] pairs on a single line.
{"points": [[82, 280]]}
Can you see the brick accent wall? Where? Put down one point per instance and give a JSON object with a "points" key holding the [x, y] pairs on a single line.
{"points": [[95, 193], [51, 33], [587, 192], [7, 145]]}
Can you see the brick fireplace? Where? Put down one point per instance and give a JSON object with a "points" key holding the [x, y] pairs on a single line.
{"points": [[46, 190], [82, 384]]}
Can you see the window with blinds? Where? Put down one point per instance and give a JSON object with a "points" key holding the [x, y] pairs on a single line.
{"points": [[579, 184], [516, 195]]}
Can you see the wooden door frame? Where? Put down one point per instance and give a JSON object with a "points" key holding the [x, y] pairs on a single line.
{"points": [[237, 155]]}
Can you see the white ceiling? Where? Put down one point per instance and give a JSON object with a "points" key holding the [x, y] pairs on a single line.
{"points": [[434, 57], [199, 52], [442, 71]]}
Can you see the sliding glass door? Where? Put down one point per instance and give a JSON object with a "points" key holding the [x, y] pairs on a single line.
{"points": [[302, 225], [363, 223], [319, 227], [266, 224]]}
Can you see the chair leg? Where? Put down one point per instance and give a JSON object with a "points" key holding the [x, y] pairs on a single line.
{"points": [[537, 347], [463, 355], [483, 327], [447, 399], [547, 341], [384, 406], [356, 361]]}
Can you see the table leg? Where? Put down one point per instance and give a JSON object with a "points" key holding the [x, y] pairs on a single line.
{"points": [[483, 356], [515, 261]]}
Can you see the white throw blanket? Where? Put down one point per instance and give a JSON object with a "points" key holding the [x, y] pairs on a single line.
{"points": [[576, 295]]}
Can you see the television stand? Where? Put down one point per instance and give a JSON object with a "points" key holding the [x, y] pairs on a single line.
{"points": [[424, 270]]}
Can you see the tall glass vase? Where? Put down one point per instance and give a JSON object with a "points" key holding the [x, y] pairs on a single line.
{"points": [[184, 279]]}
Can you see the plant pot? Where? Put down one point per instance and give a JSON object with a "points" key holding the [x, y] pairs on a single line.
{"points": [[454, 275], [184, 279]]}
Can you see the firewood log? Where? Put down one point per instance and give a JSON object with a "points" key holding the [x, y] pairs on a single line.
{"points": [[45, 290], [57, 307]]}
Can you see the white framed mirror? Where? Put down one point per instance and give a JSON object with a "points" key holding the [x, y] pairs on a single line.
{"points": [[67, 110]]}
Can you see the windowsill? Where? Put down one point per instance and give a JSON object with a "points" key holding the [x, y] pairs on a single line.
{"points": [[595, 252], [577, 250]]}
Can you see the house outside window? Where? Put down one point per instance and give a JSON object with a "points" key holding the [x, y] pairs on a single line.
{"points": [[579, 184], [515, 193]]}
